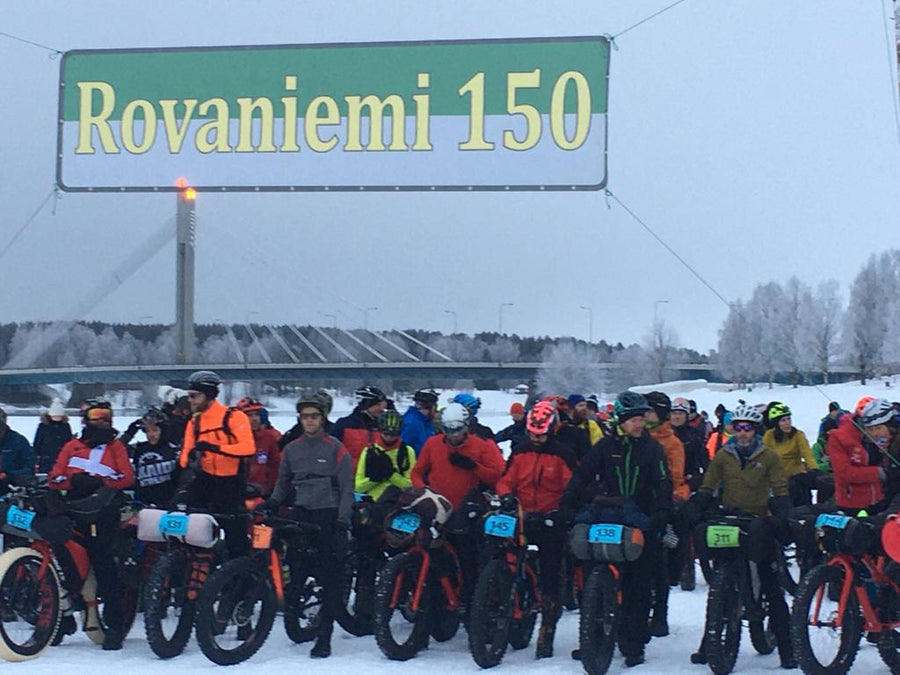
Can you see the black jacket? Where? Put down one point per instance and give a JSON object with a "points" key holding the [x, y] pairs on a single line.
{"points": [[515, 433], [621, 466], [696, 458], [48, 441]]}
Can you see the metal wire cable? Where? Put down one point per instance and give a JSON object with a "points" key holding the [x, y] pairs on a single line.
{"points": [[53, 52]]}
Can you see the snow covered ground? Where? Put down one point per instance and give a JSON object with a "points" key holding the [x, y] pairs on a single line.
{"points": [[361, 655]]}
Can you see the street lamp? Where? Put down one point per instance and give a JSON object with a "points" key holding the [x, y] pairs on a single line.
{"points": [[590, 312], [656, 305], [500, 316], [366, 316], [453, 314]]}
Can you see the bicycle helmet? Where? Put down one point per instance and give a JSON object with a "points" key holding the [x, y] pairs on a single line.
{"points": [[427, 397], [311, 401], [368, 395], [95, 408], [155, 417], [777, 411], [249, 404], [390, 422], [629, 404], [746, 413], [541, 418], [877, 411], [206, 382], [660, 403], [470, 401], [455, 418], [327, 400], [861, 404], [681, 404]]}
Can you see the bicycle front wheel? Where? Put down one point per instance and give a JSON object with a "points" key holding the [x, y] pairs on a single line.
{"points": [[168, 609], [490, 614], [824, 634], [401, 630], [723, 618], [29, 604], [235, 612], [599, 620]]}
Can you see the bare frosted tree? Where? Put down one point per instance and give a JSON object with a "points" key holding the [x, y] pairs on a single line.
{"points": [[564, 369], [765, 312], [795, 296], [660, 348], [820, 321], [867, 317], [738, 345]]}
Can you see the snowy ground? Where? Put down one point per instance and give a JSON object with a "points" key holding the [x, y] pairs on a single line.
{"points": [[361, 655]]}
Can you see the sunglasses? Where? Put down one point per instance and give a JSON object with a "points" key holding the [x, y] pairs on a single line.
{"points": [[744, 426], [310, 416]]}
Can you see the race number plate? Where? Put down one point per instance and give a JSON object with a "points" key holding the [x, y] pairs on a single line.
{"points": [[723, 536], [175, 524], [605, 533], [19, 518], [499, 525], [832, 520], [406, 522]]}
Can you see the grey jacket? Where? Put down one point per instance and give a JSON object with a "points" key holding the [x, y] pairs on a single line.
{"points": [[320, 470]]}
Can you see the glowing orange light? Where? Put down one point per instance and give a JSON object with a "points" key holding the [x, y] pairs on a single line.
{"points": [[181, 183], [190, 194]]}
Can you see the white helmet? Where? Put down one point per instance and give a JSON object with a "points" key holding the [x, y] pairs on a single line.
{"points": [[455, 418], [877, 411], [746, 413]]}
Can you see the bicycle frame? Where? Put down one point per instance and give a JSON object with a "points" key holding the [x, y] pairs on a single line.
{"points": [[451, 592], [852, 569], [515, 551]]}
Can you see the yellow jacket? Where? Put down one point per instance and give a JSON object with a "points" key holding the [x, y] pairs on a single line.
{"points": [[796, 455], [400, 478], [596, 433]]}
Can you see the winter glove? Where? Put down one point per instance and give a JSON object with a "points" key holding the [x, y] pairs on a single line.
{"points": [[379, 466], [204, 446], [669, 538], [265, 507], [193, 462], [462, 461]]}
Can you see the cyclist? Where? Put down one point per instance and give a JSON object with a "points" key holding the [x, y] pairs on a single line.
{"points": [[263, 468], [359, 429], [317, 471], [629, 465], [216, 441], [84, 466], [418, 420], [580, 417], [17, 454], [155, 461], [453, 464], [746, 473], [388, 462], [296, 431], [856, 450], [537, 473], [800, 467]]}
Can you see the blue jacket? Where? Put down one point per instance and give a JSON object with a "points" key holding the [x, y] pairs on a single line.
{"points": [[18, 457], [417, 429]]}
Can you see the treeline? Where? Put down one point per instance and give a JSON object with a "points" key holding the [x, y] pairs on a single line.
{"points": [[795, 329]]}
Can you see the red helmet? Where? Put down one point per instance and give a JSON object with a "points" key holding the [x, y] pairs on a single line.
{"points": [[541, 418], [249, 404], [861, 405]]}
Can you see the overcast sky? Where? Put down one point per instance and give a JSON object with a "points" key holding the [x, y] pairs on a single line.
{"points": [[759, 139]]}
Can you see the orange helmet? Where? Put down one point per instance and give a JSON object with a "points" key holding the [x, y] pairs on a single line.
{"points": [[861, 405], [249, 404], [541, 418]]}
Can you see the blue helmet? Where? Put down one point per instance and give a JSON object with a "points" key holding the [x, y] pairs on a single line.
{"points": [[471, 402]]}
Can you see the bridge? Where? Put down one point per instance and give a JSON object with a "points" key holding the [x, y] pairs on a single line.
{"points": [[286, 372]]}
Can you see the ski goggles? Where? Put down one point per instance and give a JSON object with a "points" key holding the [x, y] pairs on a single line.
{"points": [[743, 426]]}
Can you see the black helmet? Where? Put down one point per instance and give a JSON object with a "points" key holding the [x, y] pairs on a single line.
{"points": [[660, 403], [206, 382], [390, 422], [427, 397], [368, 395], [327, 400], [155, 417], [629, 404]]}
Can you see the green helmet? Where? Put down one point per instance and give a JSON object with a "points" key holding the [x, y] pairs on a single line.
{"points": [[390, 422], [777, 411]]}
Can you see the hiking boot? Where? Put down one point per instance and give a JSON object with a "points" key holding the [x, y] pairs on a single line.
{"points": [[699, 656], [789, 663], [659, 627], [633, 660], [576, 654], [544, 648], [112, 640], [322, 648], [67, 626]]}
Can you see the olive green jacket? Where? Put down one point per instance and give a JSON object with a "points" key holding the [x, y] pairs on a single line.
{"points": [[749, 487]]}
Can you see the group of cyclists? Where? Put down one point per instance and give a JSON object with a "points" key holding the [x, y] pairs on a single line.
{"points": [[645, 461]]}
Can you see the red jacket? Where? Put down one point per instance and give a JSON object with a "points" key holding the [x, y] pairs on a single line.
{"points": [[110, 462], [263, 466], [538, 476], [433, 468], [356, 431], [856, 481]]}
